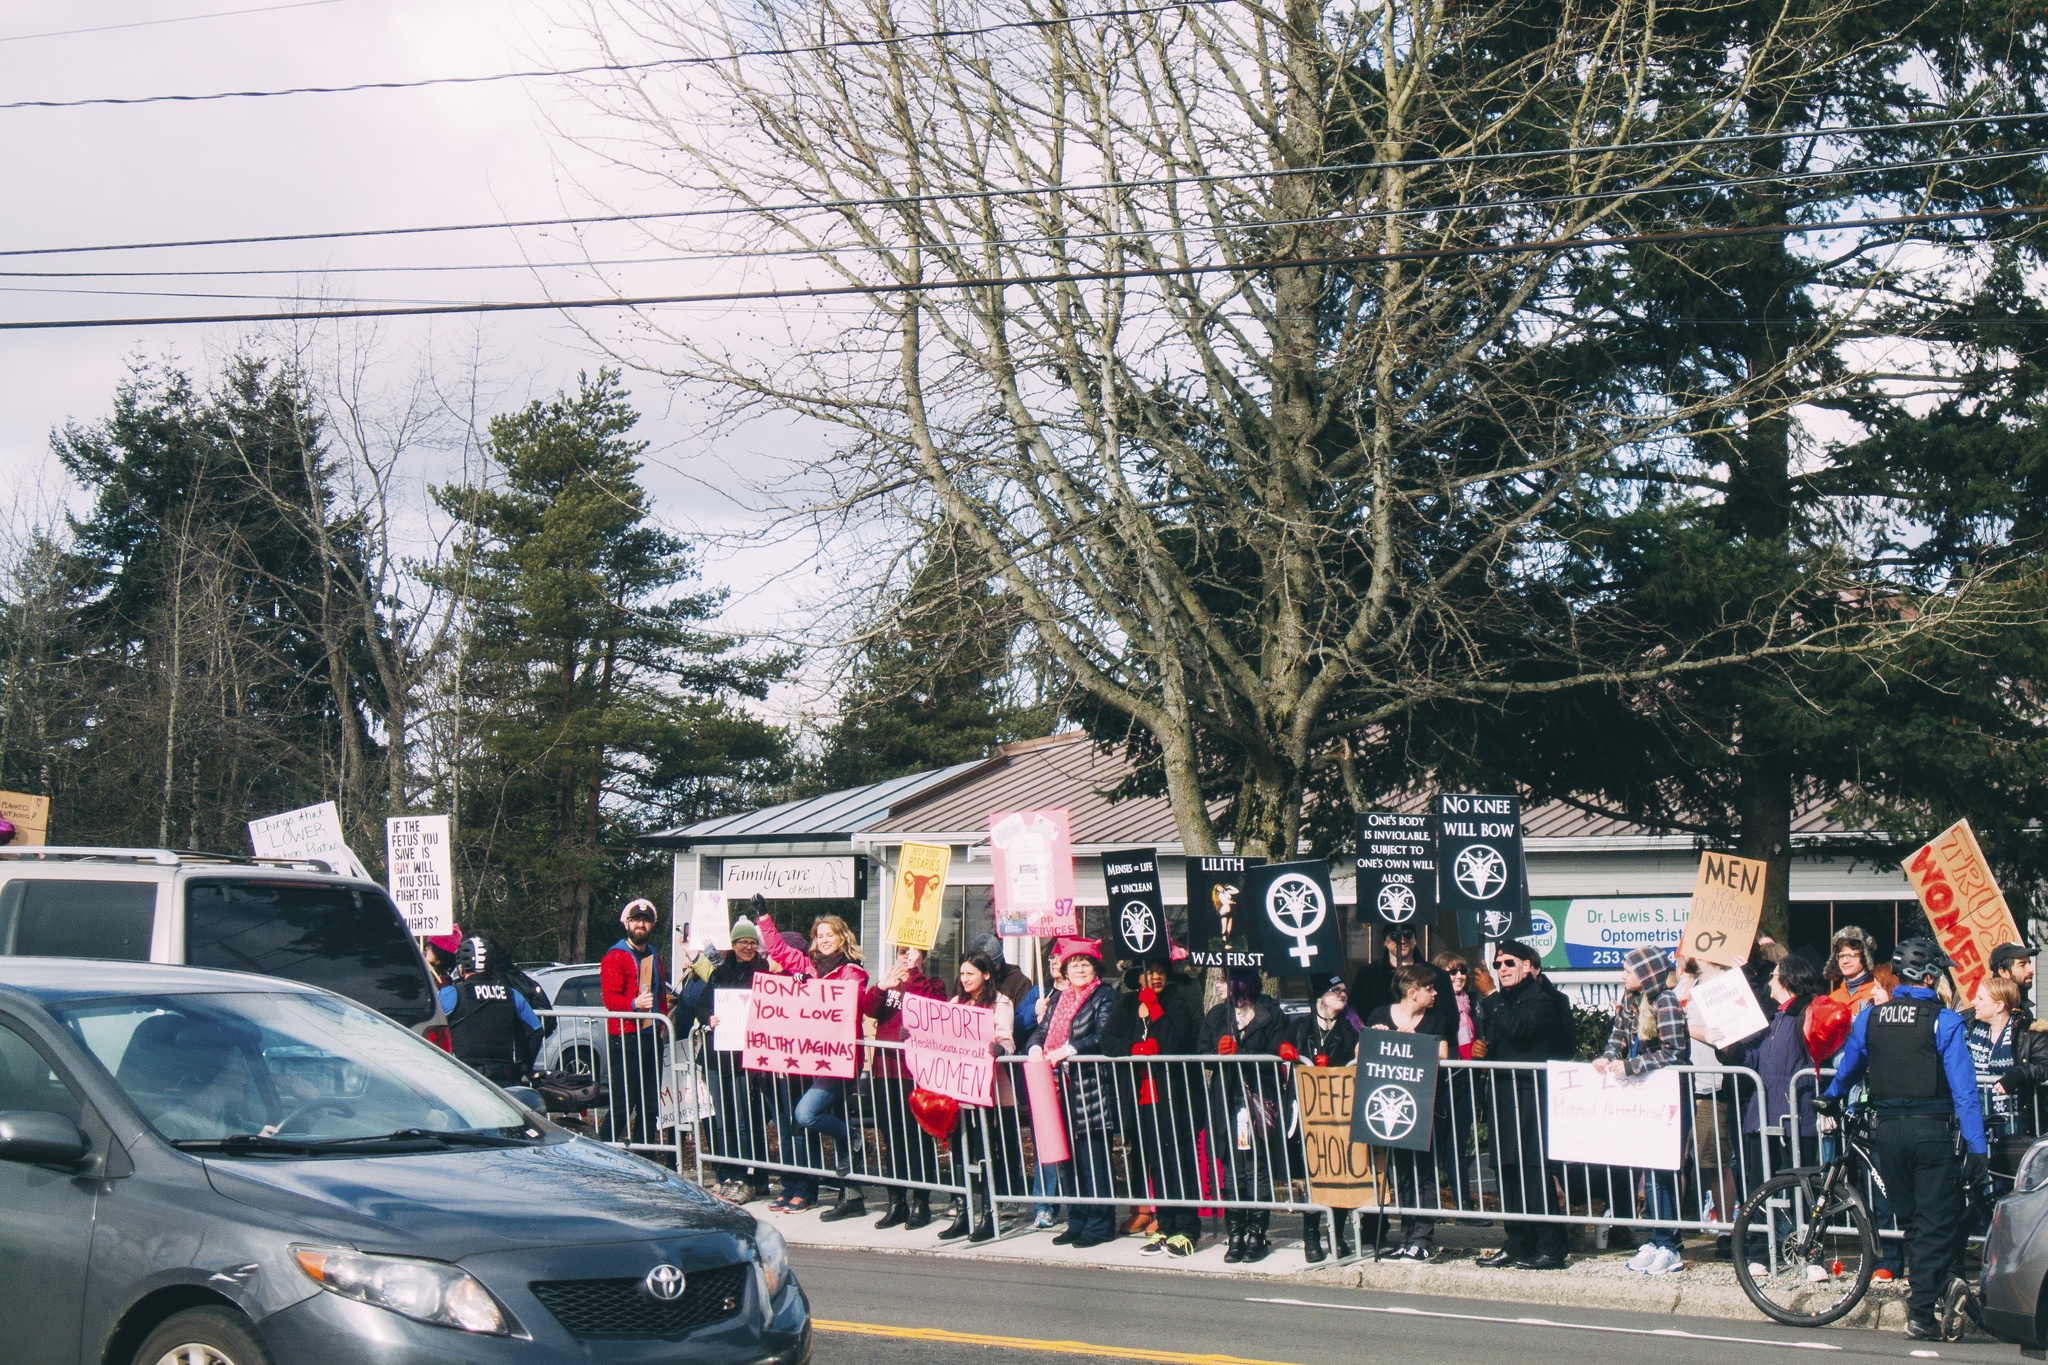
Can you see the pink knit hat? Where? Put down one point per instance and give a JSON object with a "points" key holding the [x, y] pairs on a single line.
{"points": [[1064, 948], [450, 942]]}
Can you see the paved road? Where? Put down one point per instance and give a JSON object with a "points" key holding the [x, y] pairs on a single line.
{"points": [[1026, 1314]]}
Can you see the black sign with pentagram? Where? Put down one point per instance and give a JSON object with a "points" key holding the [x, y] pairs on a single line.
{"points": [[1479, 869], [1396, 868], [1220, 931], [1137, 913], [1295, 918], [1393, 1102]]}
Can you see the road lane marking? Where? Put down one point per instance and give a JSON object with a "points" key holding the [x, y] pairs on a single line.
{"points": [[1550, 1322], [1064, 1348]]}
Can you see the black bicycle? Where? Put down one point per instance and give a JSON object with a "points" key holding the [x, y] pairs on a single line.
{"points": [[1804, 1242]]}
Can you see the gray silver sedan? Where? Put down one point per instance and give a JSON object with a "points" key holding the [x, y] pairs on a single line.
{"points": [[209, 1167]]}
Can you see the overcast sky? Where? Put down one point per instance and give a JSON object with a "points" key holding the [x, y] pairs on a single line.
{"points": [[454, 154]]}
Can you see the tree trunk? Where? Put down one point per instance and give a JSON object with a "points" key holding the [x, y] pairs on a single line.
{"points": [[1764, 810]]}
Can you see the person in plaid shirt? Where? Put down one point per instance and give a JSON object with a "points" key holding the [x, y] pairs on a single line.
{"points": [[1649, 1032]]}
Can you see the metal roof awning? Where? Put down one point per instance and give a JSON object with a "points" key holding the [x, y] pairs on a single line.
{"points": [[834, 816]]}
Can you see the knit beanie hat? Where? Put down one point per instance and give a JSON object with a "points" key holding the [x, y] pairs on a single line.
{"points": [[744, 929]]}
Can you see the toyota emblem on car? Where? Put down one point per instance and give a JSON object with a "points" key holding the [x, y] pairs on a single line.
{"points": [[664, 1284]]}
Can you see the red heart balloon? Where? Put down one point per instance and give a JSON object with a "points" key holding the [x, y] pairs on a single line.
{"points": [[935, 1113]]}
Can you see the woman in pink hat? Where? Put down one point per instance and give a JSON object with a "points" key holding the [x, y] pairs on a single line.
{"points": [[1073, 1028]]}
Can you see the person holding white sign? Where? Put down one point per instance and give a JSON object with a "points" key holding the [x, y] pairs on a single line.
{"points": [[742, 1099], [1778, 1055], [1650, 1033]]}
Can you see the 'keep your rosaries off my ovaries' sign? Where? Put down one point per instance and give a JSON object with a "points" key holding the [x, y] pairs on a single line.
{"points": [[802, 1027]]}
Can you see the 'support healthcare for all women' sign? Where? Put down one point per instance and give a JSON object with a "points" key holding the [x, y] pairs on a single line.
{"points": [[1614, 1120], [802, 1027], [947, 1047]]}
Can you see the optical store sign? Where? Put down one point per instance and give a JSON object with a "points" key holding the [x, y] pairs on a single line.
{"points": [[1594, 933]]}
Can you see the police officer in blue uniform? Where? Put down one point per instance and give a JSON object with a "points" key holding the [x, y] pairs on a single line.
{"points": [[494, 1028], [1913, 1053]]}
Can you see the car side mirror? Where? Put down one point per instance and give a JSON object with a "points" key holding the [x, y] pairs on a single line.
{"points": [[528, 1096], [35, 1138]]}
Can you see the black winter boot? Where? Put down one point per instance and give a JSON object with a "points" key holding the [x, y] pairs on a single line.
{"points": [[899, 1211], [851, 1205], [959, 1227], [920, 1209], [1312, 1238], [1343, 1226], [1236, 1223], [1256, 1247], [986, 1228]]}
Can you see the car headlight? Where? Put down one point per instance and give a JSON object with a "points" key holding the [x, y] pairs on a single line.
{"points": [[773, 1254], [2033, 1170], [425, 1291]]}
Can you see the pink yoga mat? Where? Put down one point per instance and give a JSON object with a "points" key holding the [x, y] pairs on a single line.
{"points": [[1048, 1132]]}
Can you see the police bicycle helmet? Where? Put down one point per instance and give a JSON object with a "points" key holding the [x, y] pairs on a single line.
{"points": [[474, 957], [1918, 960]]}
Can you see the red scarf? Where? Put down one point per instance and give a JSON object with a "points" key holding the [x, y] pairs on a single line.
{"points": [[1063, 1011]]}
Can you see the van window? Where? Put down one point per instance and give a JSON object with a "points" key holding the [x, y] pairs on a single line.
{"points": [[581, 992], [342, 938], [77, 918]]}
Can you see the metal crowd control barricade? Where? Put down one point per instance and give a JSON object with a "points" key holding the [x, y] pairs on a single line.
{"points": [[636, 1069]]}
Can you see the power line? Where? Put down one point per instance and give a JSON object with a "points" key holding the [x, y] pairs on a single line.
{"points": [[157, 23], [601, 68], [1262, 225], [1056, 277], [957, 196]]}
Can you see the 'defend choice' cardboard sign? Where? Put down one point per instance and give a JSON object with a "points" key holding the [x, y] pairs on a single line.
{"points": [[1395, 1100], [1396, 869], [1220, 932], [1479, 874], [1137, 911]]}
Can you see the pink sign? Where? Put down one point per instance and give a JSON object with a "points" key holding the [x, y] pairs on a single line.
{"points": [[802, 1028], [948, 1048], [1033, 852], [1048, 1133]]}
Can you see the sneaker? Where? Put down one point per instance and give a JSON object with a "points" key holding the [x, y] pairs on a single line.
{"points": [[1155, 1245], [1816, 1274], [1645, 1255], [1666, 1262], [1881, 1275], [1759, 1271], [1041, 1222], [1179, 1245], [1417, 1253]]}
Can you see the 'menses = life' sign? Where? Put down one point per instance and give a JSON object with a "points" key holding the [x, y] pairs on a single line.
{"points": [[947, 1047], [802, 1028]]}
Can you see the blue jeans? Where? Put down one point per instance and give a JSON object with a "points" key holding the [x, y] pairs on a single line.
{"points": [[1051, 1179], [818, 1110], [1663, 1199]]}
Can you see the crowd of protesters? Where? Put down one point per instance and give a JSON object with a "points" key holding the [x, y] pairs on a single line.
{"points": [[1191, 1133]]}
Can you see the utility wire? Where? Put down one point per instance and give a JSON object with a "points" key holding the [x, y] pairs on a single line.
{"points": [[1255, 225], [1056, 277], [158, 23], [957, 196]]}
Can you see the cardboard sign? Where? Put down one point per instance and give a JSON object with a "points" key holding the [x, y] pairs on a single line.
{"points": [[1727, 903], [311, 832], [1396, 869], [802, 1027], [1963, 903], [1033, 854], [920, 896], [732, 1007], [1479, 871], [421, 872], [1396, 1099], [1219, 923], [948, 1048], [30, 816], [1341, 1174], [1614, 1120], [1295, 918], [1137, 910], [1725, 1008], [1048, 1129]]}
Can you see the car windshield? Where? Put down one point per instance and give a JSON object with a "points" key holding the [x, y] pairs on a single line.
{"points": [[264, 1071]]}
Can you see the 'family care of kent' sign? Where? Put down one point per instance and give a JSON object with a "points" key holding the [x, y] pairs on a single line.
{"points": [[1593, 933]]}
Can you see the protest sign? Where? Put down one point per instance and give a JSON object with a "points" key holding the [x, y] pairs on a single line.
{"points": [[710, 923], [1137, 913], [1048, 1130], [920, 895], [1033, 855], [1340, 1170], [1727, 903], [731, 1006], [1614, 1120], [421, 872], [311, 832], [1396, 868], [30, 816], [1219, 933], [802, 1027], [1396, 1104], [1725, 1008], [947, 1047], [684, 1100], [1963, 903], [1294, 917], [1479, 871]]}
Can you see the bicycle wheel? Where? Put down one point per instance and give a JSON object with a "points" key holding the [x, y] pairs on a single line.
{"points": [[1802, 1263]]}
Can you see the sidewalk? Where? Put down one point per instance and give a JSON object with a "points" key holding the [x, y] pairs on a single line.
{"points": [[1595, 1279]]}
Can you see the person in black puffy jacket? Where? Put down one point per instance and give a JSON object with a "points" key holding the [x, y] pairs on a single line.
{"points": [[1246, 1102], [1073, 1026]]}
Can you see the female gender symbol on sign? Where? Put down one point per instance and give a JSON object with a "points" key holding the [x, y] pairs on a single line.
{"points": [[1294, 904]]}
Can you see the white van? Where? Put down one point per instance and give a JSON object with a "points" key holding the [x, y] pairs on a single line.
{"points": [[295, 920]]}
